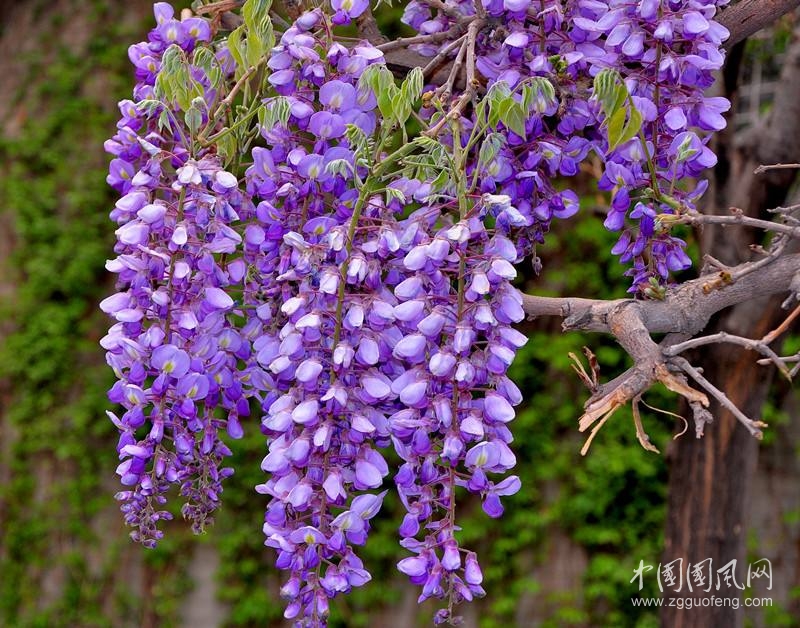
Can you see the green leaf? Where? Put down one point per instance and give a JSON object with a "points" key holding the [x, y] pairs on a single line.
{"points": [[204, 58], [538, 95], [193, 119], [491, 145], [386, 101], [227, 147], [164, 121], [622, 120], [619, 131], [274, 113], [238, 49], [401, 108], [358, 139], [341, 167], [392, 193], [513, 117], [605, 89], [412, 86], [260, 36], [497, 98]]}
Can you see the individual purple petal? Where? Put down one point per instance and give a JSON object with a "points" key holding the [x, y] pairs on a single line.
{"points": [[413, 566], [376, 387], [484, 454], [171, 360], [451, 558], [305, 412], [508, 486], [516, 6], [694, 23], [411, 348], [472, 571], [218, 298], [367, 474], [497, 408], [675, 119], [308, 535], [367, 506]]}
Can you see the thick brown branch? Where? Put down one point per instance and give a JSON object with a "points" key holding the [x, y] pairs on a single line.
{"points": [[368, 28], [686, 309], [747, 17]]}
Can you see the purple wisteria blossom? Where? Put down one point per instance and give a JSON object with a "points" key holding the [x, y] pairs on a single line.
{"points": [[362, 306]]}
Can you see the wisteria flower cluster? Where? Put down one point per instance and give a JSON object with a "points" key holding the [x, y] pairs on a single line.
{"points": [[286, 251]]}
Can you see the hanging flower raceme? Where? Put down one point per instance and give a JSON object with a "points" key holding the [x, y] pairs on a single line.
{"points": [[319, 255], [455, 310], [172, 347]]}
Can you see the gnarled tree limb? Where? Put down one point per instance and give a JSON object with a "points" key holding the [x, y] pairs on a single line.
{"points": [[685, 309], [682, 314]]}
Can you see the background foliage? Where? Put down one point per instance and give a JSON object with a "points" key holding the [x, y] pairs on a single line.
{"points": [[65, 558]]}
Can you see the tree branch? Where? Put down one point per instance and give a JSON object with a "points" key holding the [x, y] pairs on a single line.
{"points": [[752, 426], [736, 218], [747, 17], [685, 309], [368, 28]]}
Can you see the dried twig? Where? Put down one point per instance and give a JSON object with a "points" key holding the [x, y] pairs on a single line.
{"points": [[701, 416], [752, 426], [737, 218], [673, 415], [470, 89], [592, 381], [441, 57], [432, 38], [449, 11], [748, 343], [447, 88], [641, 435], [782, 327], [766, 168]]}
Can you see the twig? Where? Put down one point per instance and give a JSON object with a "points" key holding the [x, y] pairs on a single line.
{"points": [[782, 327], [765, 168], [226, 103], [701, 416], [752, 426], [641, 435], [432, 38], [470, 89], [445, 90], [449, 11], [673, 415], [784, 210], [593, 433], [712, 262], [736, 219], [748, 343], [442, 55]]}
